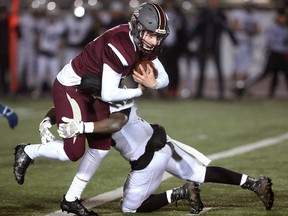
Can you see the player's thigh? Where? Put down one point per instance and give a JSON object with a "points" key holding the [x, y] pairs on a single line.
{"points": [[140, 184], [70, 103], [184, 166]]}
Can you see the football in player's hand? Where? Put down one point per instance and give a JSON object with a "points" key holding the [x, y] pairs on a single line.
{"points": [[144, 64]]}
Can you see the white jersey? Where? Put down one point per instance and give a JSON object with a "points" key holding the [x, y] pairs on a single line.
{"points": [[77, 29], [131, 141], [27, 50], [27, 27], [50, 35], [247, 22]]}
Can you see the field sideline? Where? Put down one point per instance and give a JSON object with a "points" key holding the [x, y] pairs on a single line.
{"points": [[208, 125]]}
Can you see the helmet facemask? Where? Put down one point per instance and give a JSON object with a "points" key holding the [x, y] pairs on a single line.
{"points": [[146, 19]]}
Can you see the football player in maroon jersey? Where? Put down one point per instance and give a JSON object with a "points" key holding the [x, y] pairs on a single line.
{"points": [[110, 57]]}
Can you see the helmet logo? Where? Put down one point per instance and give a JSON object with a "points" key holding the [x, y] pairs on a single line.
{"points": [[160, 31]]}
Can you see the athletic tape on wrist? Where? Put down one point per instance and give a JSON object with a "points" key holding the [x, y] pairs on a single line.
{"points": [[88, 127]]}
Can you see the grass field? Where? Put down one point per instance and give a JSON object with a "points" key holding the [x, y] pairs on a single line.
{"points": [[208, 125]]}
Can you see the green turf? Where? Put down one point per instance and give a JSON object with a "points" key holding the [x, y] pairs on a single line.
{"points": [[210, 126]]}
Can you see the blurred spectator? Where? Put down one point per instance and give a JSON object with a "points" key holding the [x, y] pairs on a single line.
{"points": [[77, 30], [174, 45], [4, 50], [8, 113], [277, 55], [97, 26], [27, 52], [212, 22], [50, 32], [245, 23], [117, 14], [190, 57]]}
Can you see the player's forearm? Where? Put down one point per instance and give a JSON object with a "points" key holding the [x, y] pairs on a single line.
{"points": [[162, 80], [111, 125], [110, 90]]}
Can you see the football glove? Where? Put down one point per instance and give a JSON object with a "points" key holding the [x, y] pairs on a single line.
{"points": [[10, 115], [45, 134], [70, 128]]}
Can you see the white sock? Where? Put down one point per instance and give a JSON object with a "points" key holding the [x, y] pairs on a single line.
{"points": [[168, 194], [52, 150], [76, 189], [243, 179], [87, 168]]}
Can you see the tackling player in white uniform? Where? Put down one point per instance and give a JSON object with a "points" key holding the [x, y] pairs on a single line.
{"points": [[150, 153]]}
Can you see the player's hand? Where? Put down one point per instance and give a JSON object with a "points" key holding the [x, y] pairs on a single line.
{"points": [[70, 128], [45, 134], [10, 115], [147, 77]]}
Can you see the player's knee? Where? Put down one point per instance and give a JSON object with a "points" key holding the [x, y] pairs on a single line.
{"points": [[125, 209], [74, 150], [75, 155]]}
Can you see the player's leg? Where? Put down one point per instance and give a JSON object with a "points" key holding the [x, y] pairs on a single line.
{"points": [[184, 166], [262, 186], [140, 184], [99, 146], [26, 153], [66, 104], [88, 166]]}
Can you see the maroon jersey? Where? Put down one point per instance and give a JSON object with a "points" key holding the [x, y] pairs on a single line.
{"points": [[114, 48]]}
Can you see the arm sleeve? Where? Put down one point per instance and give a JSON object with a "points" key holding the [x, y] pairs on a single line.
{"points": [[110, 90], [162, 78]]}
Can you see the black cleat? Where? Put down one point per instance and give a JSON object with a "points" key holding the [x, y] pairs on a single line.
{"points": [[21, 163], [191, 193], [76, 207], [263, 188]]}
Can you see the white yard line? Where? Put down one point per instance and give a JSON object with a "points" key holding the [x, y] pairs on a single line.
{"points": [[205, 209], [117, 193]]}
